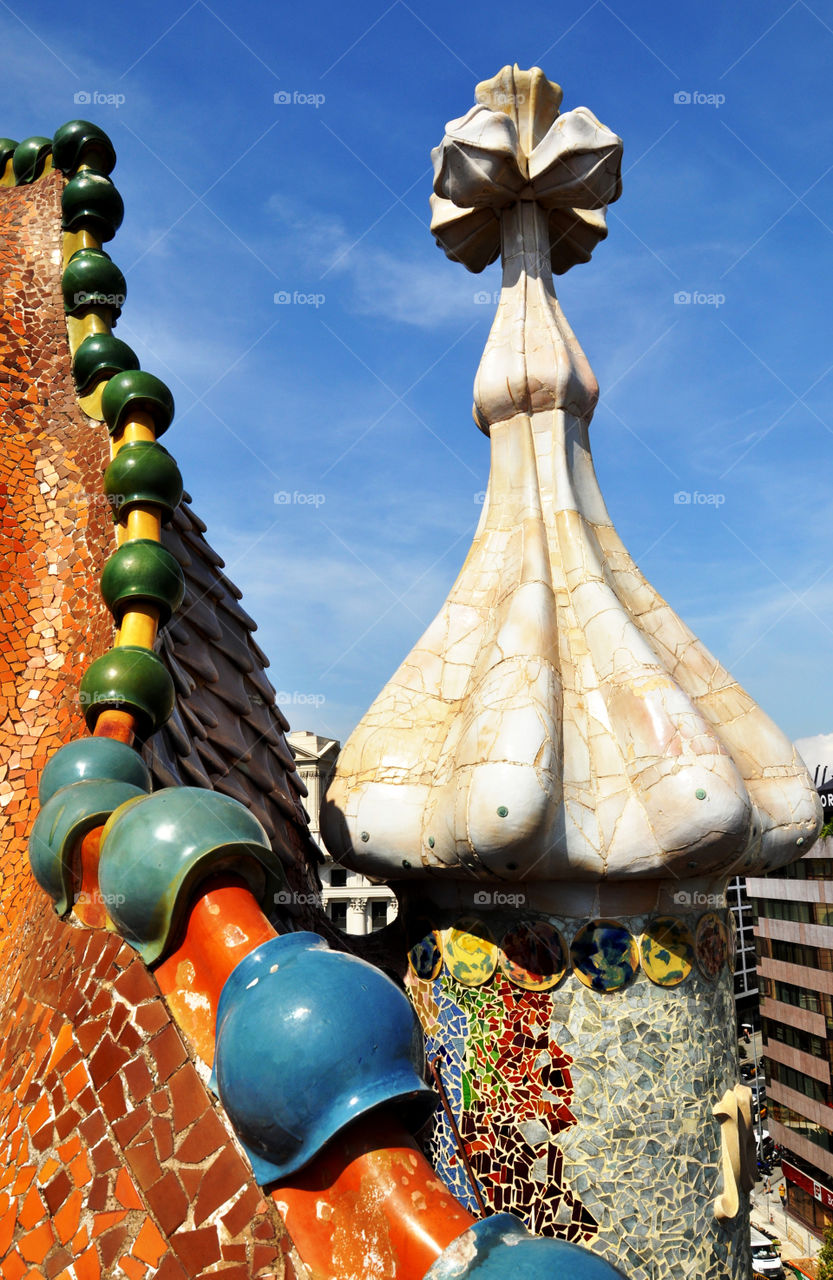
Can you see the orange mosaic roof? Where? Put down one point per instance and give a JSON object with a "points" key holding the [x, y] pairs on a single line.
{"points": [[114, 1158]]}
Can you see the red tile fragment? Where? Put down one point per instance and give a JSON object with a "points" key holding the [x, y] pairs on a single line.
{"points": [[241, 1212], [167, 1051], [135, 984], [144, 1165], [110, 1245], [152, 1017], [111, 1097], [206, 1136], [168, 1202], [189, 1097], [223, 1180], [108, 1058], [197, 1250], [138, 1079], [170, 1269]]}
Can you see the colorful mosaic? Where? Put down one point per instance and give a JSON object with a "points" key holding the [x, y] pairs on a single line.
{"points": [[554, 1091], [115, 1158], [711, 944], [470, 952], [425, 957], [53, 528], [667, 951], [509, 1084], [604, 954], [533, 955]]}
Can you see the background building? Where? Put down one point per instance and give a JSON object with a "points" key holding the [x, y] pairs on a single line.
{"points": [[350, 900], [793, 926]]}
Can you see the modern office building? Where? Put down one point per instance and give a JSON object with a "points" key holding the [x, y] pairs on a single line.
{"points": [[793, 927], [353, 904]]}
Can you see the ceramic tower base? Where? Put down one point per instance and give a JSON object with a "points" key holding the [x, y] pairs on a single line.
{"points": [[593, 1119]]}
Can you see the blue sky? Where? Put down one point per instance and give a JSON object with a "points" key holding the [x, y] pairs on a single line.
{"points": [[355, 402]]}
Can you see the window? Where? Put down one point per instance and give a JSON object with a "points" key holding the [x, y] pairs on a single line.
{"points": [[378, 915], [338, 877], [801, 1040], [808, 869], [815, 1001], [794, 953], [800, 1083], [337, 911], [783, 909], [801, 1125]]}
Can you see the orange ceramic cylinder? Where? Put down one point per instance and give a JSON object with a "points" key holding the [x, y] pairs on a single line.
{"points": [[370, 1205], [224, 924]]}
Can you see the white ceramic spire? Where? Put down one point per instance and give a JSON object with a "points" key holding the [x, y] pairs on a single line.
{"points": [[557, 721]]}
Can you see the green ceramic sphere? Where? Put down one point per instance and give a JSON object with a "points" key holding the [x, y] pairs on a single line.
{"points": [[143, 472], [128, 678], [8, 146], [142, 571], [101, 353], [80, 142], [92, 279], [88, 759], [90, 201], [29, 159], [135, 389]]}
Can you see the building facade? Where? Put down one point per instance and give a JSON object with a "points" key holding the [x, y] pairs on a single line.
{"points": [[352, 902], [793, 915]]}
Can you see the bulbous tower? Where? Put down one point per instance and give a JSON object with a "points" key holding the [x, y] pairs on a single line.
{"points": [[560, 780]]}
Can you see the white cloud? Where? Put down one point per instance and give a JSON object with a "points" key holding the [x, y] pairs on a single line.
{"points": [[817, 754], [398, 286]]}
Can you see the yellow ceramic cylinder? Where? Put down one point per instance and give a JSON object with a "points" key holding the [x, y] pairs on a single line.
{"points": [[75, 240], [138, 626]]}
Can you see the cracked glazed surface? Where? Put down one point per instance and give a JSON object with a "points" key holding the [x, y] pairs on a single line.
{"points": [[557, 719]]}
